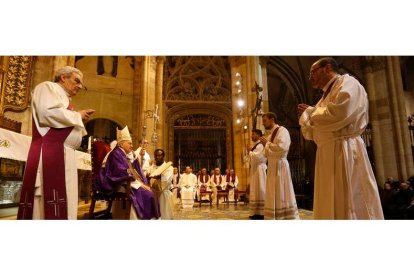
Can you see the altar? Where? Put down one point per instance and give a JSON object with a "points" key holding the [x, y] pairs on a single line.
{"points": [[14, 148]]}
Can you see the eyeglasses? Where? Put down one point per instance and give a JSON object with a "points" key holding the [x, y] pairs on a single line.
{"points": [[314, 70]]}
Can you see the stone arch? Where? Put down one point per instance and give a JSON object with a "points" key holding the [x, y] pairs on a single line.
{"points": [[289, 77], [290, 89]]}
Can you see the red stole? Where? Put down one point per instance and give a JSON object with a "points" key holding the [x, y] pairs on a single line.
{"points": [[254, 147], [54, 184], [204, 178], [230, 178], [215, 179], [273, 135], [328, 90], [176, 179]]}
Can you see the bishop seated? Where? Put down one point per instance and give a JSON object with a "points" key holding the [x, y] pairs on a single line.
{"points": [[122, 173]]}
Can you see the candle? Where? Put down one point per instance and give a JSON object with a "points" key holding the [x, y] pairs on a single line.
{"points": [[89, 143]]}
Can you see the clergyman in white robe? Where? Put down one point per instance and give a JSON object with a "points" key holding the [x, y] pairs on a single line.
{"points": [[345, 186], [188, 183], [280, 202], [165, 197], [144, 160], [175, 186], [217, 180], [258, 168], [50, 102], [203, 183], [232, 182]]}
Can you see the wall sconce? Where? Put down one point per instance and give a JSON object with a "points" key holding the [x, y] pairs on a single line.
{"points": [[240, 98]]}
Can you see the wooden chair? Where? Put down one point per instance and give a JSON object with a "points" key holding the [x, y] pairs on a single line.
{"points": [[99, 150], [222, 193], [238, 193], [204, 193]]}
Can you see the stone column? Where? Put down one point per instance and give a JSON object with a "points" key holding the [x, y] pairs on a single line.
{"points": [[158, 100], [404, 154], [148, 98], [3, 69], [143, 98], [378, 114], [137, 96], [4, 62], [240, 135], [390, 135], [263, 83]]}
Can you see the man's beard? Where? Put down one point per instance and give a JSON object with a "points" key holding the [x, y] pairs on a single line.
{"points": [[268, 127]]}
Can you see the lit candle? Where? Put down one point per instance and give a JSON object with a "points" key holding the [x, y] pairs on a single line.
{"points": [[89, 143]]}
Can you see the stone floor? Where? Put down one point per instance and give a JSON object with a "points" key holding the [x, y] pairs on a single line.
{"points": [[205, 212]]}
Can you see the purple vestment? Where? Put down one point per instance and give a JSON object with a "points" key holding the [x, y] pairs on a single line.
{"points": [[116, 173]]}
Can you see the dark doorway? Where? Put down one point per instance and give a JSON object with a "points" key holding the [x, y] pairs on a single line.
{"points": [[200, 148], [102, 129]]}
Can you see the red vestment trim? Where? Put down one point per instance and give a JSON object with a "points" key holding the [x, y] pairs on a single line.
{"points": [[328, 90], [203, 178], [274, 135], [230, 178], [54, 184]]}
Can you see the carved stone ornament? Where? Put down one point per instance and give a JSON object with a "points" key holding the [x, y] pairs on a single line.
{"points": [[200, 120], [16, 86], [197, 79]]}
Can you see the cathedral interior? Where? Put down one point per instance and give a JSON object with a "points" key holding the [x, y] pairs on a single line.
{"points": [[201, 110]]}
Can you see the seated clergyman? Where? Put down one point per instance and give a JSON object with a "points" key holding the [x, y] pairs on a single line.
{"points": [[188, 183], [119, 172]]}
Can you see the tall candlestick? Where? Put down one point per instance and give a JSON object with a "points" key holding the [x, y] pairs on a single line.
{"points": [[89, 143]]}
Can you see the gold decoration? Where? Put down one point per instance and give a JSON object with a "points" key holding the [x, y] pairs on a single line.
{"points": [[16, 89], [4, 143]]}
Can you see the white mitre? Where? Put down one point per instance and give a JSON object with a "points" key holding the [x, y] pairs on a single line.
{"points": [[123, 135]]}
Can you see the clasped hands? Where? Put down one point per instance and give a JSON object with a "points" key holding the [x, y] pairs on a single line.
{"points": [[301, 108], [263, 140]]}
